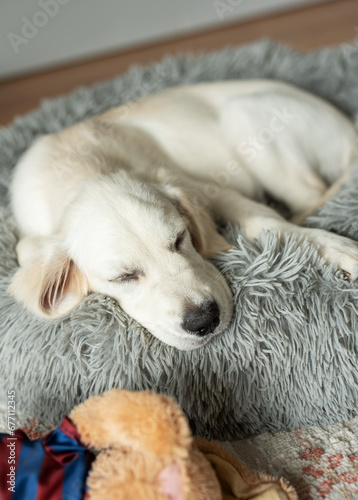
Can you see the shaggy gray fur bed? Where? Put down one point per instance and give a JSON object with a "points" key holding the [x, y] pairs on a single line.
{"points": [[289, 358]]}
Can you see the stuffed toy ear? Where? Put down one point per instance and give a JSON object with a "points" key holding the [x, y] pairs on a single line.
{"points": [[170, 482], [144, 421], [48, 282]]}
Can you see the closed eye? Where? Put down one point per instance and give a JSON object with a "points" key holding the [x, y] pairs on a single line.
{"points": [[127, 277], [179, 241]]}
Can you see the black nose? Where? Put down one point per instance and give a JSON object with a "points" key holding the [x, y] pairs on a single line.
{"points": [[201, 320]]}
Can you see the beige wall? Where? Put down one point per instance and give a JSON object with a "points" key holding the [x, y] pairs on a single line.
{"points": [[35, 34]]}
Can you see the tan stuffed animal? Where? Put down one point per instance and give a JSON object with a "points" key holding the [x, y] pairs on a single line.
{"points": [[148, 453]]}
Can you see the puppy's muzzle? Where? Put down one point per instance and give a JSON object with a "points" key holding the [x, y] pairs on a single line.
{"points": [[201, 320]]}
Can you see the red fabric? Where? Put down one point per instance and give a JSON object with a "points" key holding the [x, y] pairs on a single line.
{"points": [[51, 478]]}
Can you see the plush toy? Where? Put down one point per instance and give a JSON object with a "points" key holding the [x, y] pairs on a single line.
{"points": [[143, 451]]}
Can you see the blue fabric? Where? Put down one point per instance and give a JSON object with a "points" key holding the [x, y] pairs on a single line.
{"points": [[54, 467]]}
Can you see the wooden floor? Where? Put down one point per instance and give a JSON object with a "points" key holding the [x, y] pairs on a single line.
{"points": [[305, 29]]}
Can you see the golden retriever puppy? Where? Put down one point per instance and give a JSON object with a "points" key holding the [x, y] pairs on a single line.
{"points": [[124, 204]]}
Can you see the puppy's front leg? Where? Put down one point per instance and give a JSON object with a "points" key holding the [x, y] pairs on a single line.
{"points": [[254, 217]]}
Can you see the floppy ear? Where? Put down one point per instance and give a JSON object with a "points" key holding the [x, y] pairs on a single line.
{"points": [[142, 420], [204, 235], [48, 282]]}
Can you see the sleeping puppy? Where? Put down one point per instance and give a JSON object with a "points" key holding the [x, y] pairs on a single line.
{"points": [[124, 204]]}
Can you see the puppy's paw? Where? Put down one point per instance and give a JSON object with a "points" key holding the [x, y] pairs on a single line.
{"points": [[346, 275], [337, 250]]}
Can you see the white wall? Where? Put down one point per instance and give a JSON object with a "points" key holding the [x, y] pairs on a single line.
{"points": [[35, 34]]}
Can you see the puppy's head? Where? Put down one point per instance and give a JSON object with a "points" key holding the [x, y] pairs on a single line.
{"points": [[142, 243]]}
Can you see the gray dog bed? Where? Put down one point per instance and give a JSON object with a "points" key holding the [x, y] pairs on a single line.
{"points": [[288, 359]]}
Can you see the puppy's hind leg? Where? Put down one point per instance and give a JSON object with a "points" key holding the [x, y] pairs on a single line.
{"points": [[329, 193]]}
